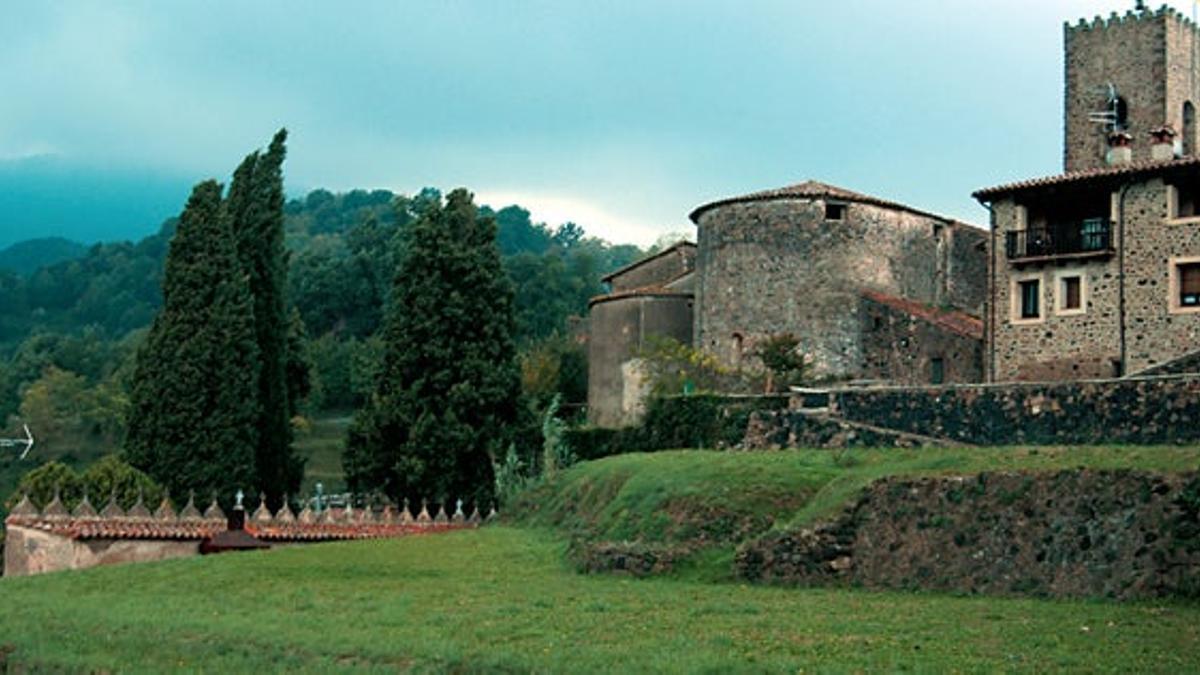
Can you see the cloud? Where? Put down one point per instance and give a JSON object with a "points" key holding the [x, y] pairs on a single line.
{"points": [[597, 220]]}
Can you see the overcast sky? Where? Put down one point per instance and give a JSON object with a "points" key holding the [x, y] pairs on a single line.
{"points": [[620, 115]]}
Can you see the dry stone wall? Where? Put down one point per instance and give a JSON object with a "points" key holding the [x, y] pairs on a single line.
{"points": [[1151, 410], [1115, 534]]}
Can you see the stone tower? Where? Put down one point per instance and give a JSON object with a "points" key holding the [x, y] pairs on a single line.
{"points": [[1142, 69]]}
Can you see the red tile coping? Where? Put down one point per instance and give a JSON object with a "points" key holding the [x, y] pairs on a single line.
{"points": [[185, 530], [954, 321]]}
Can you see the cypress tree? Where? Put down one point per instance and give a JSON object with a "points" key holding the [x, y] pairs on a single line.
{"points": [[255, 205], [448, 394], [193, 401]]}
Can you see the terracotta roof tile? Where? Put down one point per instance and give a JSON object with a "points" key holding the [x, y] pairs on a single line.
{"points": [[813, 190], [1097, 174], [954, 321], [143, 528]]}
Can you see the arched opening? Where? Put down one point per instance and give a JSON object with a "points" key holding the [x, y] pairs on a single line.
{"points": [[739, 345], [1120, 110], [1189, 129]]}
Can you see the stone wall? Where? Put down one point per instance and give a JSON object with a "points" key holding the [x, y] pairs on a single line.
{"points": [[621, 325], [901, 347], [655, 270], [778, 266], [1151, 410], [33, 551], [1114, 534]]}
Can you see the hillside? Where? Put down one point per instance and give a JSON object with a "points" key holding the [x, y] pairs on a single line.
{"points": [[25, 257]]}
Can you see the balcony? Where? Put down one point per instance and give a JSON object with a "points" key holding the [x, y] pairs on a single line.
{"points": [[1087, 238]]}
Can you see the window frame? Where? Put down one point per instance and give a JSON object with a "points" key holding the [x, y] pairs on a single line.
{"points": [[1174, 298], [840, 208], [1173, 207], [1017, 299], [1060, 296]]}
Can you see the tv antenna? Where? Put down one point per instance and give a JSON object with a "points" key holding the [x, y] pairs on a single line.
{"points": [[1114, 114], [16, 442]]}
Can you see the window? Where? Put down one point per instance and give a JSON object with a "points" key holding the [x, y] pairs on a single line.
{"points": [[1071, 293], [1189, 285], [1189, 128], [1030, 298], [835, 211], [1186, 198], [937, 368]]}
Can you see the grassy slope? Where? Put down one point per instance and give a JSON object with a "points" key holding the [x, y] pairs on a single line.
{"points": [[321, 447], [635, 496], [501, 598]]}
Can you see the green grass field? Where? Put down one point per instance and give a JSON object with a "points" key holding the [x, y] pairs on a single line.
{"points": [[504, 598], [501, 599]]}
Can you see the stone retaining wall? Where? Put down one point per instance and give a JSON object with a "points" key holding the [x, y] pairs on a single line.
{"points": [[1116, 534], [1136, 411]]}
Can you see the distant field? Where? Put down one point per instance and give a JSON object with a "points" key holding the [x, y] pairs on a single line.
{"points": [[501, 599], [322, 448]]}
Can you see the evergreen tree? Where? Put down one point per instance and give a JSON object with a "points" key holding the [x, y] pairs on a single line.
{"points": [[193, 410], [448, 396], [255, 205]]}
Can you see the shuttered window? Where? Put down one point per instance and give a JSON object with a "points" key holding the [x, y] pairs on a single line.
{"points": [[1031, 299], [1072, 298]]}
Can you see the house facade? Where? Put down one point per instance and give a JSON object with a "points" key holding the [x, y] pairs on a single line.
{"points": [[1095, 272]]}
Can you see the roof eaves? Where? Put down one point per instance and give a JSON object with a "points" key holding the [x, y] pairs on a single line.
{"points": [[642, 261]]}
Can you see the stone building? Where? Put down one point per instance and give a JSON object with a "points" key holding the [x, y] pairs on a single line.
{"points": [[797, 260], [873, 289], [649, 298], [1096, 272]]}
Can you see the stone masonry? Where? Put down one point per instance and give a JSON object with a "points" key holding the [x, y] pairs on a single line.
{"points": [[794, 260]]}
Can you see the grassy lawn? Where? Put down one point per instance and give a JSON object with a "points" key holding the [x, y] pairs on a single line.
{"points": [[501, 599]]}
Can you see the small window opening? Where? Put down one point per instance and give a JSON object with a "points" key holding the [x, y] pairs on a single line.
{"points": [[1030, 299], [1072, 288], [1120, 110], [877, 323], [1189, 285], [835, 211], [739, 343], [1187, 200], [1189, 129], [937, 368]]}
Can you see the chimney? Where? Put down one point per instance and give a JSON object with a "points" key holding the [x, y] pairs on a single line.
{"points": [[1120, 148], [1162, 144]]}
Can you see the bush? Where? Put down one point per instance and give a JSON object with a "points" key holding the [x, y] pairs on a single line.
{"points": [[98, 482]]}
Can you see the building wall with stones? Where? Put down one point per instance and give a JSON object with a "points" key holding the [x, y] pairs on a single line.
{"points": [[32, 551], [1129, 319], [622, 325], [779, 264], [907, 347], [656, 270]]}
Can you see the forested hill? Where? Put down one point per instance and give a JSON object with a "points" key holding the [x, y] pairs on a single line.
{"points": [[342, 249], [30, 255]]}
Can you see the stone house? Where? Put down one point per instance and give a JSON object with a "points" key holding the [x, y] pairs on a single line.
{"points": [[1096, 272]]}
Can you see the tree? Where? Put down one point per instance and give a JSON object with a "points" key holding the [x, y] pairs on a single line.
{"points": [[255, 207], [449, 393], [194, 410], [785, 364], [107, 477]]}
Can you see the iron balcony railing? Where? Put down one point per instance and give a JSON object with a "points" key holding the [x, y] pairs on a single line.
{"points": [[1093, 235]]}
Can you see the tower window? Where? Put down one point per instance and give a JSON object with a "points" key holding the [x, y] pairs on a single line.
{"points": [[835, 211], [937, 368], [1189, 129]]}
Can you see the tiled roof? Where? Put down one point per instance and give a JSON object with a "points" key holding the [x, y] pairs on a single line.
{"points": [[642, 261], [1105, 173], [335, 525], [813, 190], [953, 321], [656, 291]]}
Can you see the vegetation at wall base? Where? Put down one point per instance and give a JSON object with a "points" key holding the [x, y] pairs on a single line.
{"points": [[500, 599]]}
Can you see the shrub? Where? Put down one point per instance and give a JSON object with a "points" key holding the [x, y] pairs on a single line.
{"points": [[99, 482]]}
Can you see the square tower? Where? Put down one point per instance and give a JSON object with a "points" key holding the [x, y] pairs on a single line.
{"points": [[1141, 71]]}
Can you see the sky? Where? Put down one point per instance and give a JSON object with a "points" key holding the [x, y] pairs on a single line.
{"points": [[621, 116]]}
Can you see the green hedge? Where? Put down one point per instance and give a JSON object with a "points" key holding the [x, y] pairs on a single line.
{"points": [[677, 422]]}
